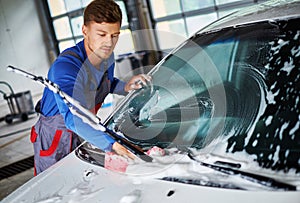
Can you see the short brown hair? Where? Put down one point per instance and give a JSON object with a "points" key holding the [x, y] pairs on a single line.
{"points": [[100, 11]]}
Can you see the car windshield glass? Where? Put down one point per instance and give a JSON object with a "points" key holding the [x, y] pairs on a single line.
{"points": [[201, 91], [219, 88]]}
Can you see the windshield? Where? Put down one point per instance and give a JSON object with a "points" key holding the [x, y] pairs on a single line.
{"points": [[225, 85], [231, 95]]}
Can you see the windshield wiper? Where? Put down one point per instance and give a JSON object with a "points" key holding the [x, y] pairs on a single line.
{"points": [[263, 180]]}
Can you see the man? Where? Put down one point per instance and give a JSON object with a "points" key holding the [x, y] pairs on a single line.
{"points": [[84, 72]]}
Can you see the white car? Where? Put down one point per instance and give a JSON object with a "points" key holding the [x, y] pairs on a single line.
{"points": [[220, 122]]}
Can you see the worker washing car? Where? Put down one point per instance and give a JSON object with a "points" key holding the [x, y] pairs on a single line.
{"points": [[86, 73]]}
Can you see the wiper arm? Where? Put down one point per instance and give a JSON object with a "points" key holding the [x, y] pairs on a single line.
{"points": [[263, 180]]}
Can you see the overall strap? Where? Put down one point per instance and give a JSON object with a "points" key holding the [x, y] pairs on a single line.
{"points": [[87, 69]]}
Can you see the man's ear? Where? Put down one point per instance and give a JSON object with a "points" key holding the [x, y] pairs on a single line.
{"points": [[84, 30]]}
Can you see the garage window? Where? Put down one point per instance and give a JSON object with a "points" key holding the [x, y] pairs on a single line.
{"points": [[178, 19]]}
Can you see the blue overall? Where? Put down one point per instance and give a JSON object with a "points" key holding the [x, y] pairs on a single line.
{"points": [[55, 133]]}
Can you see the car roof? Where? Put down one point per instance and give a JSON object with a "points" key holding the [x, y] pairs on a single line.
{"points": [[268, 11]]}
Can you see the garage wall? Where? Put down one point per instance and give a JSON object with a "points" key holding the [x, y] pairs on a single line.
{"points": [[21, 45]]}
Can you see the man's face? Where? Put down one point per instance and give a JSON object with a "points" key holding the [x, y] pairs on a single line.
{"points": [[100, 38]]}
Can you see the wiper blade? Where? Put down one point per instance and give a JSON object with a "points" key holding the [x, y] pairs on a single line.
{"points": [[263, 180]]}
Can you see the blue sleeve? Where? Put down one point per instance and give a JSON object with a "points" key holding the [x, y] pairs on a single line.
{"points": [[67, 75]]}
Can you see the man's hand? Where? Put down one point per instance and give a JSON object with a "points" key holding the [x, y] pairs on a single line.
{"points": [[137, 82], [120, 150]]}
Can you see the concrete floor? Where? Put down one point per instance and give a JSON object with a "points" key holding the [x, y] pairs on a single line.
{"points": [[15, 145]]}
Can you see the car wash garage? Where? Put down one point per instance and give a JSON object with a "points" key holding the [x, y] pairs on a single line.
{"points": [[150, 100]]}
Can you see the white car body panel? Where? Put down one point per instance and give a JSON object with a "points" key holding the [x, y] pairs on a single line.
{"points": [[73, 180]]}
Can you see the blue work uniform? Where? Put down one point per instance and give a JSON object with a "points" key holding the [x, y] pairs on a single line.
{"points": [[55, 133]]}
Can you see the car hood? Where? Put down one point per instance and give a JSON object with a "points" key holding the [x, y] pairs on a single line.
{"points": [[179, 179]]}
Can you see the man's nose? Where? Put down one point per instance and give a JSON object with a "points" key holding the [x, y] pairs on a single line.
{"points": [[108, 40]]}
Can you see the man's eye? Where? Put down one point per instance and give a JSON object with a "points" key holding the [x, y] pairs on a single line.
{"points": [[115, 36]]}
